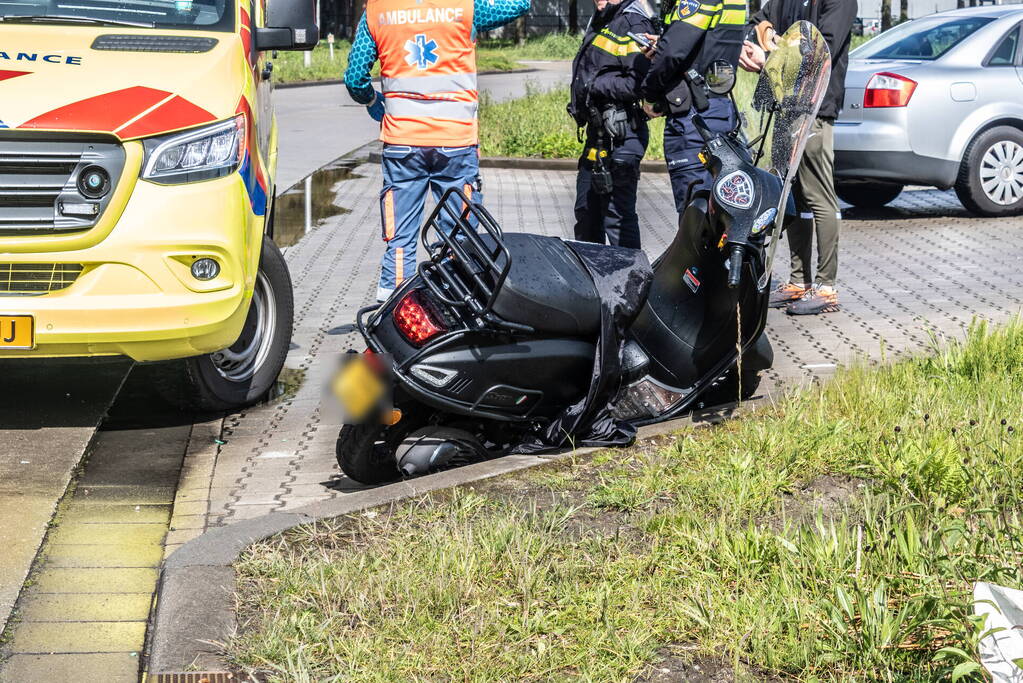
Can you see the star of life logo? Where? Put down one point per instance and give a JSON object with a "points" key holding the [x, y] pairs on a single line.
{"points": [[421, 51]]}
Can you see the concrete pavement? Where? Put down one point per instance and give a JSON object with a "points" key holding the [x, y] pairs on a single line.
{"points": [[46, 423], [49, 412], [319, 123], [920, 266]]}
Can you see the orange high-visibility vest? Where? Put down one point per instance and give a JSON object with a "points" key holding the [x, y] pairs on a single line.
{"points": [[427, 53]]}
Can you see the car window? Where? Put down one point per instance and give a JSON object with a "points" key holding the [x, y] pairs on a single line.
{"points": [[206, 15], [1005, 53], [927, 38]]}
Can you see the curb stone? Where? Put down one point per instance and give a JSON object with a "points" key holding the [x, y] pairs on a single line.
{"points": [[341, 81], [538, 164], [195, 609]]}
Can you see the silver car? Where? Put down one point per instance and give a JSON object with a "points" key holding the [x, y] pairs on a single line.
{"points": [[936, 101]]}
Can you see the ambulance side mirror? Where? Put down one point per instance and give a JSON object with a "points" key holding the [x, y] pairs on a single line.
{"points": [[290, 25]]}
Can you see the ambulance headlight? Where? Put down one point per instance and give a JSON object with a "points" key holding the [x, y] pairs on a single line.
{"points": [[200, 154]]}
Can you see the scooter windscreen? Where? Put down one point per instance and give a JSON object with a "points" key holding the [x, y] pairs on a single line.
{"points": [[783, 107]]}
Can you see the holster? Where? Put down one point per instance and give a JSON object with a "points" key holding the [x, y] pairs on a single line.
{"points": [[679, 99]]}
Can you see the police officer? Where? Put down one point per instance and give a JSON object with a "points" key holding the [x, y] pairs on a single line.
{"points": [[606, 75], [696, 35], [427, 107]]}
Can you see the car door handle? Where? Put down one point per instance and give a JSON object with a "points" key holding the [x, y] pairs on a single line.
{"points": [[268, 70]]}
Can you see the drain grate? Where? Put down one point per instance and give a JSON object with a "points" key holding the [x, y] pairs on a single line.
{"points": [[204, 677]]}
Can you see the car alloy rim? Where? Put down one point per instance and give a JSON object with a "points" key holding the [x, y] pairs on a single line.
{"points": [[1001, 172], [240, 361]]}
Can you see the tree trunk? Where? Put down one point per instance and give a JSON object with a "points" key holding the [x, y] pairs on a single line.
{"points": [[886, 15], [903, 10], [573, 16]]}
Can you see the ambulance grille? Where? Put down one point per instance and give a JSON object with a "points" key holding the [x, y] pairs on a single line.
{"points": [[39, 182], [37, 278]]}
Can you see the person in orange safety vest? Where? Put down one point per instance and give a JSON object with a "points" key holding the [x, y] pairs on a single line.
{"points": [[426, 105]]}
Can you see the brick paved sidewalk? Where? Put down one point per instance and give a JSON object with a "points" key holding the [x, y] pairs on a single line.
{"points": [[918, 268]]}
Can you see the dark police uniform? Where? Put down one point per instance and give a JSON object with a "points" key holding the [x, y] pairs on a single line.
{"points": [[606, 74], [696, 34]]}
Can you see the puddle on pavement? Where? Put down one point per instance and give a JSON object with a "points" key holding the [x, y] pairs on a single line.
{"points": [[287, 385], [308, 204]]}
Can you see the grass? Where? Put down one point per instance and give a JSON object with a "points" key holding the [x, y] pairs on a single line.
{"points": [[537, 125], [709, 544]]}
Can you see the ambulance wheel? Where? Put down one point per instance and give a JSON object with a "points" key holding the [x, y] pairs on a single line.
{"points": [[243, 373]]}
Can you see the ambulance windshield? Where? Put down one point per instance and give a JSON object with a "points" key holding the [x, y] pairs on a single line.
{"points": [[204, 15]]}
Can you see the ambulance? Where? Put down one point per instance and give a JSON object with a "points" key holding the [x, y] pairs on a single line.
{"points": [[138, 149]]}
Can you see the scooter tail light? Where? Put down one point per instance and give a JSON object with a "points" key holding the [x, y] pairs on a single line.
{"points": [[888, 90], [415, 319]]}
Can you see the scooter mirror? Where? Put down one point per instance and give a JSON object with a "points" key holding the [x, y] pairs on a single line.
{"points": [[720, 77]]}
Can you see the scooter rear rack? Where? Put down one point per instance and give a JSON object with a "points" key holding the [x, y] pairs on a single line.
{"points": [[466, 269]]}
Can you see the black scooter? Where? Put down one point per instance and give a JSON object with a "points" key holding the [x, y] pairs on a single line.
{"points": [[497, 333]]}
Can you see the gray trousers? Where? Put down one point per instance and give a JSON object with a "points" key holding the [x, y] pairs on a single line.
{"points": [[817, 205]]}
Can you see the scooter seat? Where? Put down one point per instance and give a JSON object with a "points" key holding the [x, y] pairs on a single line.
{"points": [[547, 287]]}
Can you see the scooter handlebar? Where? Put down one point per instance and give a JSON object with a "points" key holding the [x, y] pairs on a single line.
{"points": [[702, 128], [735, 259]]}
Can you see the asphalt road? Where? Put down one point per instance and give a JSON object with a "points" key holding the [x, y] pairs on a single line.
{"points": [[319, 123]]}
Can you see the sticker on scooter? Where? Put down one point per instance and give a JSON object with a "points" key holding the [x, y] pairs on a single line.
{"points": [[689, 277]]}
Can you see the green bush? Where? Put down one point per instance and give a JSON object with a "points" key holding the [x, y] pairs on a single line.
{"points": [[553, 46]]}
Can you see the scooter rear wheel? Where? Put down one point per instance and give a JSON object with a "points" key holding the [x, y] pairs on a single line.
{"points": [[366, 452]]}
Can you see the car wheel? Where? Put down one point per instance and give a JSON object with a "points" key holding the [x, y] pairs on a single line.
{"points": [[243, 373], [990, 181], [867, 195]]}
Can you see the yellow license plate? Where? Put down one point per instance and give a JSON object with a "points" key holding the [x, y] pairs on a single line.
{"points": [[359, 388], [17, 332]]}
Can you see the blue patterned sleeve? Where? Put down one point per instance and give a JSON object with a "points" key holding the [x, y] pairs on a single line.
{"points": [[360, 63], [491, 14]]}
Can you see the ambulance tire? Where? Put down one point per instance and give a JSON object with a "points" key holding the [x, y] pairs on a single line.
{"points": [[245, 372]]}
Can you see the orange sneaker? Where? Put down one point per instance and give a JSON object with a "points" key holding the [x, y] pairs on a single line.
{"points": [[819, 299], [785, 294]]}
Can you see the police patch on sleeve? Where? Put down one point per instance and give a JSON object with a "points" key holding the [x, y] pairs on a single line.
{"points": [[686, 8]]}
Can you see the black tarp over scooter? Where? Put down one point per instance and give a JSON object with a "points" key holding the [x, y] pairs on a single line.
{"points": [[521, 343]]}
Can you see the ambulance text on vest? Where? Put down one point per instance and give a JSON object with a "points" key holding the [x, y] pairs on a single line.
{"points": [[431, 15]]}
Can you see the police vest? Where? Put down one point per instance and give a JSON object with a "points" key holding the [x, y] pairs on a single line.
{"points": [[427, 53]]}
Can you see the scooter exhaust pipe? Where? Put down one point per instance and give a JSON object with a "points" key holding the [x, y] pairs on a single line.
{"points": [[735, 266]]}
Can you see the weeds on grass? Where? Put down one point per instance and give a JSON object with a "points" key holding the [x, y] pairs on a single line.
{"points": [[478, 587]]}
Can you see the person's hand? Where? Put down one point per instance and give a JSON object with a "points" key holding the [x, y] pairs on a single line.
{"points": [[376, 107], [650, 111], [752, 57], [649, 51]]}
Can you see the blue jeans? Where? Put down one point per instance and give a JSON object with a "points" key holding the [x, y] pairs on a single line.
{"points": [[409, 172], [683, 143]]}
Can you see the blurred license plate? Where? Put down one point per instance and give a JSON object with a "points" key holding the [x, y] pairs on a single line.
{"points": [[359, 387], [17, 332]]}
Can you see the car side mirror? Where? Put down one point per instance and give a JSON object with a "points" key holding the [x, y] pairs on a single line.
{"points": [[290, 25]]}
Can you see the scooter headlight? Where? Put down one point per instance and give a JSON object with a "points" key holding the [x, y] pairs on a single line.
{"points": [[200, 154], [735, 189]]}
